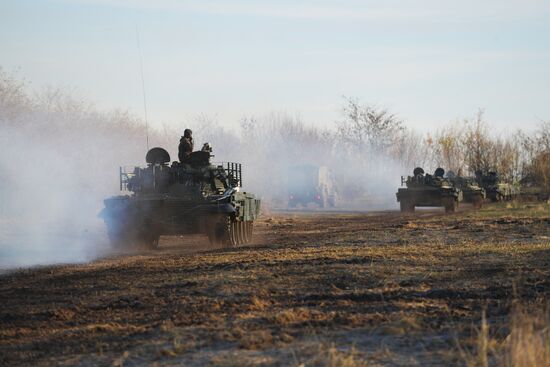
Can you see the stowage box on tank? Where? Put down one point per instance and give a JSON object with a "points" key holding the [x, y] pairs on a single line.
{"points": [[179, 199], [428, 190]]}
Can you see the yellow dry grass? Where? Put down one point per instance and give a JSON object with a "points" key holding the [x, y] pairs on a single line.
{"points": [[319, 290]]}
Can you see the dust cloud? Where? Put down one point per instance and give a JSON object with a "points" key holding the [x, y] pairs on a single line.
{"points": [[60, 159], [269, 146]]}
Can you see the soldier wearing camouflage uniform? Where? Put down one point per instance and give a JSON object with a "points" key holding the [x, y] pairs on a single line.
{"points": [[186, 146]]}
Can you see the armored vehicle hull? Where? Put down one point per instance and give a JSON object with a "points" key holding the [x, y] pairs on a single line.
{"points": [[496, 189], [182, 199], [500, 192], [409, 198], [471, 191], [428, 191]]}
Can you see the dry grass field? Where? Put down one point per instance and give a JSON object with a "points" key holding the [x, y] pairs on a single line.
{"points": [[315, 289]]}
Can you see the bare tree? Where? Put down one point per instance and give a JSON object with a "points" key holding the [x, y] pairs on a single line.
{"points": [[477, 144], [448, 148], [367, 128], [536, 152], [14, 99]]}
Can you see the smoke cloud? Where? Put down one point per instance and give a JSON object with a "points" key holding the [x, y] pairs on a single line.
{"points": [[60, 159]]}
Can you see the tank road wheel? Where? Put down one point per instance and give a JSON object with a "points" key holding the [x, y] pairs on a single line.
{"points": [[233, 233], [248, 231], [450, 204], [228, 232], [217, 232], [239, 232], [224, 232], [406, 206], [244, 234]]}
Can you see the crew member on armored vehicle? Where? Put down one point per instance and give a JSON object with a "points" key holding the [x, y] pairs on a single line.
{"points": [[186, 146], [494, 188], [472, 192], [428, 191], [189, 197]]}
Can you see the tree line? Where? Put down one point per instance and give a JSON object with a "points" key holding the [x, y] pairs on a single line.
{"points": [[368, 148]]}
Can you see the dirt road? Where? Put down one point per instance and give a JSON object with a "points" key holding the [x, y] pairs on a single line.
{"points": [[313, 289]]}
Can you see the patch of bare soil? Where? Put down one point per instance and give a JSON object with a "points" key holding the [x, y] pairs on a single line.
{"points": [[314, 289]]}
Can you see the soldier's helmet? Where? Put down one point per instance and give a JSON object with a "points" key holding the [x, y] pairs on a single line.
{"points": [[418, 171], [439, 172], [187, 133], [451, 175]]}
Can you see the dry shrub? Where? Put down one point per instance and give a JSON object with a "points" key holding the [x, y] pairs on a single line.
{"points": [[259, 339], [258, 304], [529, 341], [292, 316], [331, 356], [526, 345]]}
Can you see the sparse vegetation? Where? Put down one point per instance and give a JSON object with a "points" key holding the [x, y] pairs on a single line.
{"points": [[317, 290]]}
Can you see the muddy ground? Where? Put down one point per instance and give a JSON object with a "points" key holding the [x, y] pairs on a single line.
{"points": [[314, 289]]}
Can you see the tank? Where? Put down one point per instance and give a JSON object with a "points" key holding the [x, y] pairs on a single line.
{"points": [[494, 188], [472, 192], [428, 191], [196, 197], [311, 184]]}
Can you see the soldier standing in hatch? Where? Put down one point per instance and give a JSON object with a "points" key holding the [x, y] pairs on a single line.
{"points": [[186, 146]]}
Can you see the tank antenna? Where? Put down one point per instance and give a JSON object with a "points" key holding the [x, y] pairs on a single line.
{"points": [[143, 88]]}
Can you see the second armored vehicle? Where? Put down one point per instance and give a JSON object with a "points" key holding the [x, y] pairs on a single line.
{"points": [[472, 192], [180, 199], [428, 190], [494, 188], [311, 184]]}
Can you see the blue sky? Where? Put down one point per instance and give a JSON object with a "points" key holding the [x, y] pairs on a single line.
{"points": [[429, 61]]}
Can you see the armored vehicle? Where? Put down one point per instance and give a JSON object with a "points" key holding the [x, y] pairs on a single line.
{"points": [[494, 188], [472, 192], [311, 184], [178, 199], [428, 190]]}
